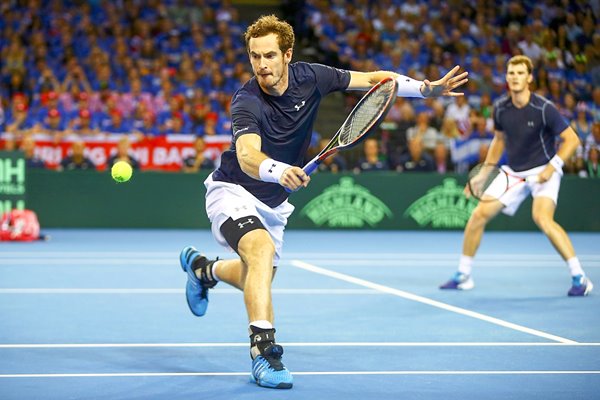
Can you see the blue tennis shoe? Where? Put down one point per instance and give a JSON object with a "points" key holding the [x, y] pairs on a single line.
{"points": [[270, 372], [267, 369], [459, 281], [196, 289], [582, 286]]}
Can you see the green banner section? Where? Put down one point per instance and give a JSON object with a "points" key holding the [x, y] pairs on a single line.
{"points": [[377, 200], [13, 182]]}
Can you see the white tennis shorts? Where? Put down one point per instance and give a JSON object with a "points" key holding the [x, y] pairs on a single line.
{"points": [[514, 196], [227, 200]]}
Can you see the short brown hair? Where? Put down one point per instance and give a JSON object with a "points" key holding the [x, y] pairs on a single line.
{"points": [[520, 59], [271, 24]]}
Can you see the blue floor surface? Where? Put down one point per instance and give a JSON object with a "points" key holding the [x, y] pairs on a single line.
{"points": [[101, 314]]}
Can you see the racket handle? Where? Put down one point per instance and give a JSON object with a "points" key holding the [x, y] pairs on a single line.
{"points": [[532, 179], [311, 167], [308, 169]]}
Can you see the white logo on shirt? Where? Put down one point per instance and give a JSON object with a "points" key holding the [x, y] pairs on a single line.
{"points": [[240, 130], [299, 106], [530, 124]]}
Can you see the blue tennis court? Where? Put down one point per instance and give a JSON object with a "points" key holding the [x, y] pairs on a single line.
{"points": [[102, 314]]}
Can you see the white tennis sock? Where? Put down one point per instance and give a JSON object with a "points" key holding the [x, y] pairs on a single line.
{"points": [[213, 271], [260, 324], [465, 264], [575, 266]]}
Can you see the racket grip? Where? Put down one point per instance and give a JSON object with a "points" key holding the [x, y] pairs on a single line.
{"points": [[311, 167], [532, 179], [308, 169]]}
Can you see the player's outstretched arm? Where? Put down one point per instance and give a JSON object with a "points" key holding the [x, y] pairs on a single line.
{"points": [[446, 85]]}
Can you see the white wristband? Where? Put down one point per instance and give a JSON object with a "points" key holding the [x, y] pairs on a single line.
{"points": [[409, 87], [271, 170], [557, 163]]}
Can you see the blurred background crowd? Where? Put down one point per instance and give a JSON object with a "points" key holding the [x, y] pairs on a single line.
{"points": [[76, 71]]}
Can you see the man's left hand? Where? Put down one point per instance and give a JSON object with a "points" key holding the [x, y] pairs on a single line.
{"points": [[446, 85]]}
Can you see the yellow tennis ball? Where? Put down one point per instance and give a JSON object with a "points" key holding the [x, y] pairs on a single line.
{"points": [[121, 171]]}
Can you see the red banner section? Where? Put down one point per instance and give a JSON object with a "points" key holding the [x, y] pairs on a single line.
{"points": [[161, 153]]}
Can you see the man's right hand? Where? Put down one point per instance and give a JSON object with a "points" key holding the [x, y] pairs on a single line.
{"points": [[294, 178]]}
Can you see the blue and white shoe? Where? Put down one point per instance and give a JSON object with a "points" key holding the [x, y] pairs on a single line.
{"points": [[459, 281], [196, 290], [582, 286], [268, 370]]}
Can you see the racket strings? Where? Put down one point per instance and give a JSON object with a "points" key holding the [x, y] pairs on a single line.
{"points": [[367, 113], [480, 179]]}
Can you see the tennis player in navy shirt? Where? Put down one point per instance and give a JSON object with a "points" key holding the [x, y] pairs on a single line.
{"points": [[246, 201], [528, 127]]}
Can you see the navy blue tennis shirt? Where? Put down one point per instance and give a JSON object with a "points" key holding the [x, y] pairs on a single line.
{"points": [[530, 132], [284, 123]]}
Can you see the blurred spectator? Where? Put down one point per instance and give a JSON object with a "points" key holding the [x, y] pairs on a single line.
{"points": [[123, 153], [20, 121], [594, 105], [433, 141], [76, 160], [178, 122], [529, 47], [117, 123], [53, 124], [149, 128], [13, 56], [416, 160], [399, 119], [582, 123], [579, 80], [83, 124], [75, 80], [28, 148], [10, 143], [459, 112], [18, 85], [592, 151], [49, 101], [200, 160], [47, 82], [371, 160]]}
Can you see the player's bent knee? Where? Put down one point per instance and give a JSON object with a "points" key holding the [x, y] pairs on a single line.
{"points": [[234, 230]]}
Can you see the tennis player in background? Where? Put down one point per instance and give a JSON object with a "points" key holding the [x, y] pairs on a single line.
{"points": [[246, 201], [528, 127]]}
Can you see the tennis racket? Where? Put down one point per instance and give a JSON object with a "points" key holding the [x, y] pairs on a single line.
{"points": [[489, 176], [362, 120]]}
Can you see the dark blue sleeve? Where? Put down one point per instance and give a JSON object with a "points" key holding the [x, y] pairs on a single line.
{"points": [[555, 122], [497, 124], [245, 115], [330, 79]]}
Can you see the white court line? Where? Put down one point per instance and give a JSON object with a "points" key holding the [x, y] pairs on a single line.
{"points": [[425, 300], [216, 374], [178, 291], [293, 344], [334, 255], [400, 262]]}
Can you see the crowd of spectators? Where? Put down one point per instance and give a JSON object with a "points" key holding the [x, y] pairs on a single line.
{"points": [[425, 39], [158, 67], [101, 68]]}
